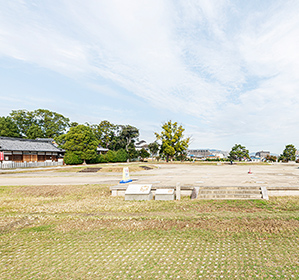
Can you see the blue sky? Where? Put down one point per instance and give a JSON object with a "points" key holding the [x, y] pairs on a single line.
{"points": [[228, 71]]}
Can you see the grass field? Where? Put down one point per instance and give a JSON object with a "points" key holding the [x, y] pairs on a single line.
{"points": [[81, 232]]}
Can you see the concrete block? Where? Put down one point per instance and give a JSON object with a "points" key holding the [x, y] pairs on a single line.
{"points": [[164, 194], [139, 192]]}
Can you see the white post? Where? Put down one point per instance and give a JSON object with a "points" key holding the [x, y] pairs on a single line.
{"points": [[178, 191]]}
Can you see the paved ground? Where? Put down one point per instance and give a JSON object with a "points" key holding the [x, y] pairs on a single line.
{"points": [[166, 174]]}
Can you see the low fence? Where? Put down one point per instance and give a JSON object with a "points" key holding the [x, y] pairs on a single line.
{"points": [[12, 165]]}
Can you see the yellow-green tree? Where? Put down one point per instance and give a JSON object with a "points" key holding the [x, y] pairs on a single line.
{"points": [[173, 143]]}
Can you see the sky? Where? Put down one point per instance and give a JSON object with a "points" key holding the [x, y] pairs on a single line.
{"points": [[227, 71]]}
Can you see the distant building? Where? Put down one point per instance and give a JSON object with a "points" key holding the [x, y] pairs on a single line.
{"points": [[219, 155], [141, 145], [255, 159], [29, 150], [199, 153], [204, 153], [262, 154], [101, 150]]}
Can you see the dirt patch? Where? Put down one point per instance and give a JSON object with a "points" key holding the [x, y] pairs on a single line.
{"points": [[249, 225], [16, 224], [119, 169], [146, 167], [49, 191], [91, 169]]}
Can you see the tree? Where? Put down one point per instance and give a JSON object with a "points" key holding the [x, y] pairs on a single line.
{"points": [[129, 134], [115, 137], [238, 152], [144, 154], [154, 148], [51, 124], [132, 152], [271, 158], [172, 138], [125, 139], [121, 155], [71, 158], [111, 156], [81, 141], [23, 120], [8, 128], [289, 153], [105, 133], [34, 131]]}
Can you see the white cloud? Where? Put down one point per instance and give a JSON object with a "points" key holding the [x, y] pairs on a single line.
{"points": [[232, 65]]}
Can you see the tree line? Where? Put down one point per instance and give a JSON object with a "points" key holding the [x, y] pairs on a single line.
{"points": [[80, 141], [239, 152]]}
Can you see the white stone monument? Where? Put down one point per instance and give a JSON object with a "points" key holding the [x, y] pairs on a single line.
{"points": [[139, 192]]}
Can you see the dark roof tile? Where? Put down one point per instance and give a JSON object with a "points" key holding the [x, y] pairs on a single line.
{"points": [[20, 144]]}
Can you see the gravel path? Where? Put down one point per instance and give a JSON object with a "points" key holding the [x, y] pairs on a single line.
{"points": [[167, 174]]}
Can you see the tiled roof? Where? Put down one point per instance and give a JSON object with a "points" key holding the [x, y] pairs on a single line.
{"points": [[19, 144]]}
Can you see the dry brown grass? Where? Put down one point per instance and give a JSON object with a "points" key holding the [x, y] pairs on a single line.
{"points": [[92, 207], [234, 225], [48, 191], [82, 232]]}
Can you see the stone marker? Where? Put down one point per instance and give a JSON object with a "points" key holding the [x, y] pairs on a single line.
{"points": [[139, 192], [178, 191], [264, 193], [164, 194], [195, 192]]}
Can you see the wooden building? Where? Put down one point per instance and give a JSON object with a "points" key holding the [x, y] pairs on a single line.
{"points": [[21, 150]]}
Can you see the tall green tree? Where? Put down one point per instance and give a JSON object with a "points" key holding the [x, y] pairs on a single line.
{"points": [[154, 148], [128, 135], [23, 120], [288, 154], [238, 152], [8, 128], [105, 133], [143, 153], [172, 140], [81, 141], [34, 131], [271, 158], [51, 124]]}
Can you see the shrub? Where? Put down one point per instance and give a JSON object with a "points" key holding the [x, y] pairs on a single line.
{"points": [[110, 156], [102, 159], [71, 158], [94, 160], [121, 155]]}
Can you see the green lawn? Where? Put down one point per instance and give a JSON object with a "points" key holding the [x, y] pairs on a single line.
{"points": [[81, 232]]}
